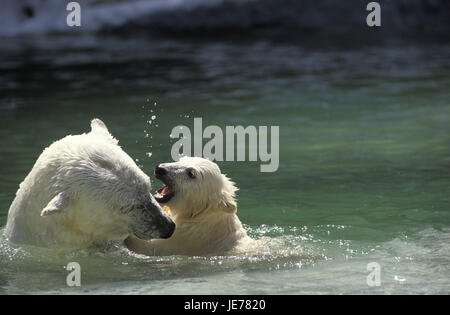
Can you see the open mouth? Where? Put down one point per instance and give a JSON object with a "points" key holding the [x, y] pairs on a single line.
{"points": [[164, 194]]}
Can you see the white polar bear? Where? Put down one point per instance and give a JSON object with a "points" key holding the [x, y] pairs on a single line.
{"points": [[84, 191], [202, 204]]}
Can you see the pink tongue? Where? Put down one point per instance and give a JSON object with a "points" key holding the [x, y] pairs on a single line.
{"points": [[163, 191]]}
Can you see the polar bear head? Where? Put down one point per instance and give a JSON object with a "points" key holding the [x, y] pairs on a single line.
{"points": [[99, 190], [195, 186]]}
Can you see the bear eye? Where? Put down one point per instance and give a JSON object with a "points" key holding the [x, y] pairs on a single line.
{"points": [[191, 173]]}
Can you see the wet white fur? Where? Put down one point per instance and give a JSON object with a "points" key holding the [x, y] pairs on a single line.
{"points": [[73, 194], [204, 210]]}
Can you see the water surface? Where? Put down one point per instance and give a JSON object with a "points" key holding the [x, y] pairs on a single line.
{"points": [[364, 171]]}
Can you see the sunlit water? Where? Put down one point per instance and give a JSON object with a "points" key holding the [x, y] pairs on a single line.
{"points": [[364, 170]]}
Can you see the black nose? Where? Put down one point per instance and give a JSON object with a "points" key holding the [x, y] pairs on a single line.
{"points": [[160, 171], [170, 229]]}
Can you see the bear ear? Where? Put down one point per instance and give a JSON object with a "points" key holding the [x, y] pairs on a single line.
{"points": [[57, 204], [228, 205], [98, 127], [227, 202]]}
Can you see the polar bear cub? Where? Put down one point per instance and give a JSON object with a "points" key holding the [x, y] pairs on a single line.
{"points": [[84, 191], [202, 204]]}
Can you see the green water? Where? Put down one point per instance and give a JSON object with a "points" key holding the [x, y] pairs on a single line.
{"points": [[364, 171]]}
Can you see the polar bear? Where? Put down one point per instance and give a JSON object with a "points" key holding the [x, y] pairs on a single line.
{"points": [[82, 192], [202, 204]]}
